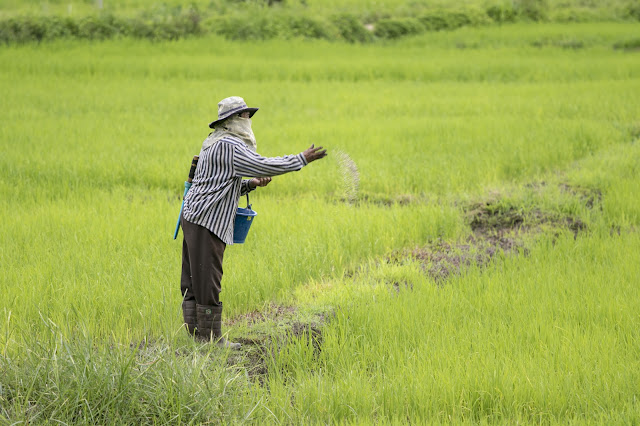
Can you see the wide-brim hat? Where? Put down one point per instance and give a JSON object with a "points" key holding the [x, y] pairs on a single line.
{"points": [[230, 106]]}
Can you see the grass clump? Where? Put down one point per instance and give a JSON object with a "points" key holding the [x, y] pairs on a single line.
{"points": [[84, 381]]}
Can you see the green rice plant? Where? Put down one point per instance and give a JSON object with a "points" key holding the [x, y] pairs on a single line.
{"points": [[551, 337]]}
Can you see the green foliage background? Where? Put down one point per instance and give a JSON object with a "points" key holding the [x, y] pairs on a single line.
{"points": [[352, 21]]}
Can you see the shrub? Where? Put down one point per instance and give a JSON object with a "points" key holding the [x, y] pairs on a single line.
{"points": [[188, 22], [58, 27], [397, 27], [438, 20], [633, 44], [246, 27], [32, 28], [351, 29], [435, 21], [258, 23], [9, 30], [535, 10], [163, 31], [575, 15], [98, 27], [138, 28], [633, 10], [501, 13], [157, 25], [270, 25], [164, 23], [308, 27]]}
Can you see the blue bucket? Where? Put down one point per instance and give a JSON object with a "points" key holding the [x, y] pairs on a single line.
{"points": [[244, 219]]}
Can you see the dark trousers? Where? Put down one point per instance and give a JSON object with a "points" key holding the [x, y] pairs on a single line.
{"points": [[202, 253]]}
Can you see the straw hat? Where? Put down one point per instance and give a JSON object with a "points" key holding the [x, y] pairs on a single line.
{"points": [[229, 106]]}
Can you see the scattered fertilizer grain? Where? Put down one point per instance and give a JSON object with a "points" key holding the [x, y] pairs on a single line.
{"points": [[350, 176]]}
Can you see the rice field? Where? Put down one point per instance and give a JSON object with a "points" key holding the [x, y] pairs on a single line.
{"points": [[468, 252]]}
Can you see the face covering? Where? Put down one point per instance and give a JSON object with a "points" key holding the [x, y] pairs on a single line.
{"points": [[233, 126]]}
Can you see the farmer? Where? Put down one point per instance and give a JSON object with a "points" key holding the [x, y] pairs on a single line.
{"points": [[228, 154]]}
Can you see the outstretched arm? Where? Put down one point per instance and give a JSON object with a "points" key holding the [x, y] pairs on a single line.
{"points": [[249, 164]]}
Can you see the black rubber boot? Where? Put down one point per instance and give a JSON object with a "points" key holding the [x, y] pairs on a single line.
{"points": [[210, 326], [190, 316]]}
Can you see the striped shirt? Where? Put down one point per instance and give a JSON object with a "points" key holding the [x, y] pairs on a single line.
{"points": [[218, 185]]}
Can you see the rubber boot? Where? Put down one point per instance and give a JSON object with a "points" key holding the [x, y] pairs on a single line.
{"points": [[190, 316], [210, 326]]}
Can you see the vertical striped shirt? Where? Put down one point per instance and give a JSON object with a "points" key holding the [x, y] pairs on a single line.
{"points": [[218, 185]]}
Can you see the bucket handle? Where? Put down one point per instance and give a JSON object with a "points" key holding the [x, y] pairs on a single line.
{"points": [[248, 205]]}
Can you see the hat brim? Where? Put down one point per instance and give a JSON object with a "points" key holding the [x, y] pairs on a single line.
{"points": [[220, 120]]}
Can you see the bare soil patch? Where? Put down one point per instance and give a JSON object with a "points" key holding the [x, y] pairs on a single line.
{"points": [[497, 228], [382, 200], [264, 332], [590, 197]]}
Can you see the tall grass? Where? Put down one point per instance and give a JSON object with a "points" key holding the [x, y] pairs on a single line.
{"points": [[549, 338]]}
